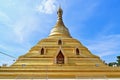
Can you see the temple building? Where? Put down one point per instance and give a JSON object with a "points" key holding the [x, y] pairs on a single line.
{"points": [[59, 56]]}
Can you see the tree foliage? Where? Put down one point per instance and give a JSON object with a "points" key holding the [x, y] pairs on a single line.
{"points": [[112, 63], [118, 60]]}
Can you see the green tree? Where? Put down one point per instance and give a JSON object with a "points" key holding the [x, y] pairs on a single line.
{"points": [[112, 63], [118, 60]]}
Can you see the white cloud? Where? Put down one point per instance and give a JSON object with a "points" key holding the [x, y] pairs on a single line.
{"points": [[3, 15], [23, 28], [25, 23], [4, 18], [47, 6], [107, 45]]}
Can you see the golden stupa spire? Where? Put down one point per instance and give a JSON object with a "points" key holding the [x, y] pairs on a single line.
{"points": [[59, 30], [59, 13]]}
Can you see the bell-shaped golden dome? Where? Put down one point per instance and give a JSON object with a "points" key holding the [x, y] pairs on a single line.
{"points": [[59, 30]]}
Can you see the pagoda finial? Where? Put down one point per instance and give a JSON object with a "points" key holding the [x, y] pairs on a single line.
{"points": [[59, 30], [59, 13]]}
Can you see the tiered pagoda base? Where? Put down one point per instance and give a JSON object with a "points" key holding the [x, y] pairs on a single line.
{"points": [[59, 72]]}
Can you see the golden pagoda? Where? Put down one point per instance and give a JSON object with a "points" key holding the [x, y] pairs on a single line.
{"points": [[59, 56]]}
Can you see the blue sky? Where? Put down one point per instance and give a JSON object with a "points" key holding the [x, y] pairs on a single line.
{"points": [[95, 23]]}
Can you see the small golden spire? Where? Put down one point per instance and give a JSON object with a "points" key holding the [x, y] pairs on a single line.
{"points": [[59, 30], [59, 13]]}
